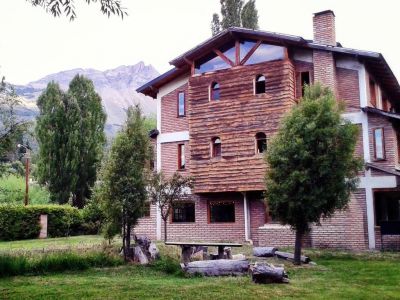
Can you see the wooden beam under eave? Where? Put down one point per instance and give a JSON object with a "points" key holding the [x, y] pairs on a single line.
{"points": [[227, 60], [237, 52]]}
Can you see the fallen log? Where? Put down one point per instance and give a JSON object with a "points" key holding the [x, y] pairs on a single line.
{"points": [[220, 267], [290, 256], [264, 251], [266, 273]]}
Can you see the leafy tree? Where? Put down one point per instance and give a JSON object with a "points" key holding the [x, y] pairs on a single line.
{"points": [[11, 127], [123, 179], [235, 14], [231, 13], [166, 193], [250, 15], [91, 137], [215, 25], [312, 168], [67, 7], [57, 132]]}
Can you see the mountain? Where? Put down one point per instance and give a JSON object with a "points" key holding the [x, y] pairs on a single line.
{"points": [[115, 86]]}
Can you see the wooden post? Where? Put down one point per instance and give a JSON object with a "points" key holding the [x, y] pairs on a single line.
{"points": [[26, 201], [43, 227]]}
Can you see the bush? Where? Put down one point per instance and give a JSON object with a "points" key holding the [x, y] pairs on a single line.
{"points": [[92, 217], [12, 191], [55, 262], [22, 222], [167, 265]]}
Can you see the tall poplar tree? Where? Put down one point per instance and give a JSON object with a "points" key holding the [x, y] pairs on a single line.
{"points": [[57, 132], [250, 15], [234, 14], [312, 168], [91, 136]]}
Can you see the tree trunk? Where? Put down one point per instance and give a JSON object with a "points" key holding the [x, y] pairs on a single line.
{"points": [[264, 251], [221, 267], [128, 240], [123, 238], [165, 230], [297, 247], [266, 273], [290, 256]]}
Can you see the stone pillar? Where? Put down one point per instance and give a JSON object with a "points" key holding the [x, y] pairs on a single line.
{"points": [[43, 227]]}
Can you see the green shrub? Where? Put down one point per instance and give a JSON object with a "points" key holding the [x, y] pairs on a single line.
{"points": [[55, 262], [92, 217], [12, 191], [22, 222], [167, 265]]}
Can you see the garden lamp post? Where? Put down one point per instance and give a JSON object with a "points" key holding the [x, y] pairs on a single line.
{"points": [[27, 158]]}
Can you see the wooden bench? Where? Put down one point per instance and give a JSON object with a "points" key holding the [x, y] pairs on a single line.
{"points": [[187, 248], [389, 228]]}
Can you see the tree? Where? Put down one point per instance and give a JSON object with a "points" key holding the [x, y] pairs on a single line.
{"points": [[67, 7], [215, 25], [250, 15], [57, 132], [312, 168], [234, 14], [166, 193], [11, 127], [91, 137], [123, 179], [70, 133]]}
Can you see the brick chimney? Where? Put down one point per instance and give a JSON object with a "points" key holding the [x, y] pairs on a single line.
{"points": [[324, 61], [324, 28]]}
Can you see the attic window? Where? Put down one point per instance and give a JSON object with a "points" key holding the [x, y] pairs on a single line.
{"points": [[210, 63], [260, 84], [372, 93], [266, 52], [305, 81], [215, 92]]}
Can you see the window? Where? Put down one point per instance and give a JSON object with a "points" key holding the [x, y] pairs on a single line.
{"points": [[209, 63], [216, 147], [214, 91], [379, 143], [372, 93], [387, 207], [181, 104], [183, 212], [261, 142], [221, 211], [181, 157], [260, 84], [266, 52], [305, 81], [146, 209]]}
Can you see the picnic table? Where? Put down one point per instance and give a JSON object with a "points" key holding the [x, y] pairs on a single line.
{"points": [[187, 248]]}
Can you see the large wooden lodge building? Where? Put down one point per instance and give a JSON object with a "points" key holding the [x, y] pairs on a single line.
{"points": [[224, 99]]}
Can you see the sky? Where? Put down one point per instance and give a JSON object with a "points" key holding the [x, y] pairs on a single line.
{"points": [[34, 44]]}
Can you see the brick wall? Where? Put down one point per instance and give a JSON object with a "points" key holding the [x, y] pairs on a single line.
{"points": [[147, 226], [169, 158], [324, 69], [348, 88], [324, 28], [170, 122], [202, 230], [375, 121], [345, 230]]}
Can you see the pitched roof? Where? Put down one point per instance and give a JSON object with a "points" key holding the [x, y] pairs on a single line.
{"points": [[390, 115], [374, 61]]}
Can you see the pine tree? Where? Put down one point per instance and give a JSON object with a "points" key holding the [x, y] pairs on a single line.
{"points": [[250, 15], [215, 25], [91, 136], [123, 179], [57, 132], [312, 168]]}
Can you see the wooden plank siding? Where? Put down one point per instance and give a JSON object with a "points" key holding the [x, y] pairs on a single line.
{"points": [[236, 118]]}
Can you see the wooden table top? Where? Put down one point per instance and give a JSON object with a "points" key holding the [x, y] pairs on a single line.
{"points": [[211, 244]]}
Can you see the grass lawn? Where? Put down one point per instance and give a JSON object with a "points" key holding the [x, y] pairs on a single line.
{"points": [[337, 275], [54, 243]]}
